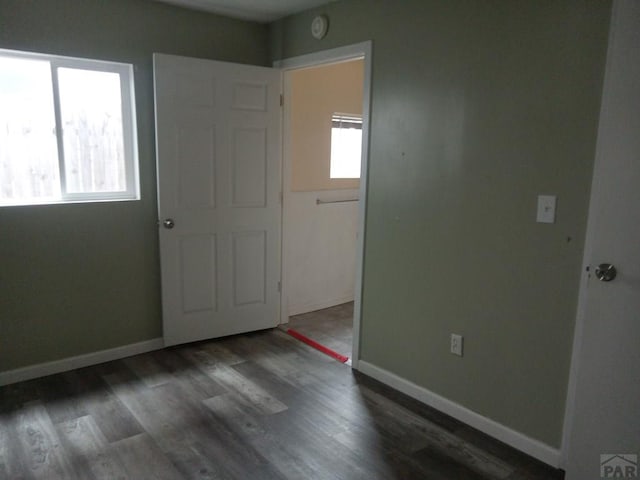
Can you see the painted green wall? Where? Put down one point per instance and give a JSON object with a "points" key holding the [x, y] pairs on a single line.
{"points": [[477, 107], [85, 277]]}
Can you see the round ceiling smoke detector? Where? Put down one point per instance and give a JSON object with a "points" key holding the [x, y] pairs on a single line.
{"points": [[319, 26]]}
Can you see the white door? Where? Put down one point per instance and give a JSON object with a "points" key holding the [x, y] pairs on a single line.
{"points": [[606, 407], [218, 158]]}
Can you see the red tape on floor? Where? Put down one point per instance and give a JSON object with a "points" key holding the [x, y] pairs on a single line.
{"points": [[317, 346]]}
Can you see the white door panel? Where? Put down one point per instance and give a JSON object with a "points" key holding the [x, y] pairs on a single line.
{"points": [[603, 414], [218, 151]]}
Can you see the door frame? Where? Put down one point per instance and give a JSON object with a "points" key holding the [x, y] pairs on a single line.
{"points": [[349, 52]]}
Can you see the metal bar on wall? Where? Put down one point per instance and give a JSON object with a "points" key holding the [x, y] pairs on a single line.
{"points": [[322, 202]]}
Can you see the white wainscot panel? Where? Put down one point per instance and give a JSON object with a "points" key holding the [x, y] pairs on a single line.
{"points": [[321, 250]]}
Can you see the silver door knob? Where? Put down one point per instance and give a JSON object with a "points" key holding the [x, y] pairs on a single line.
{"points": [[168, 223], [605, 272]]}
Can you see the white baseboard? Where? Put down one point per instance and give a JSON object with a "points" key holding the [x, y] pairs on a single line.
{"points": [[312, 307], [530, 446], [86, 360]]}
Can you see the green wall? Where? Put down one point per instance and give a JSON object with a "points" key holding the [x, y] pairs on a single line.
{"points": [[477, 107], [85, 277]]}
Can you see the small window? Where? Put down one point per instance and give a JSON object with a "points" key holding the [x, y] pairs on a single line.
{"points": [[67, 130], [346, 145]]}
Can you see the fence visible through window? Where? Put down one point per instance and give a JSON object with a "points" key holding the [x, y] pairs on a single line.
{"points": [[67, 130]]}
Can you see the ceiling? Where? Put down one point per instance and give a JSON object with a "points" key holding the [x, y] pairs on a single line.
{"points": [[256, 10]]}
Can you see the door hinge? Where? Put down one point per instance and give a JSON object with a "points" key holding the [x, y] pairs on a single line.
{"points": [[279, 287], [281, 100], [280, 198]]}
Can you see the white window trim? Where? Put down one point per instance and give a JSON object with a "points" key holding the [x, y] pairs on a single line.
{"points": [[129, 127], [347, 117]]}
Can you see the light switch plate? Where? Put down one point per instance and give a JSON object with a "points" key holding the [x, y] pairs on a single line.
{"points": [[546, 209], [456, 344]]}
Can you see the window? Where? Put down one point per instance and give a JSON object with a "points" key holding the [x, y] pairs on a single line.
{"points": [[67, 130], [346, 145]]}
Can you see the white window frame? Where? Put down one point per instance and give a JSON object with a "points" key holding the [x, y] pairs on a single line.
{"points": [[129, 128]]}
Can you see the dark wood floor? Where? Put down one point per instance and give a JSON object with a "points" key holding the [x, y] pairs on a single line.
{"points": [[257, 406], [332, 327]]}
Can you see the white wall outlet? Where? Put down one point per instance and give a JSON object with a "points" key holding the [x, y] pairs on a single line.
{"points": [[546, 209], [456, 344]]}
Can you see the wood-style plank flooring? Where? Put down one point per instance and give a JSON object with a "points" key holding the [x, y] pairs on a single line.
{"points": [[257, 406], [332, 327]]}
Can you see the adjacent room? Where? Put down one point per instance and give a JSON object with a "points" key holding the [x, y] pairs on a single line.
{"points": [[442, 194], [321, 204]]}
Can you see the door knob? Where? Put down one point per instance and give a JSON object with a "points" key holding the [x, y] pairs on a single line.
{"points": [[168, 223], [605, 272]]}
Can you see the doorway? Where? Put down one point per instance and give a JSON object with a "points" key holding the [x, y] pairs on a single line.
{"points": [[326, 102]]}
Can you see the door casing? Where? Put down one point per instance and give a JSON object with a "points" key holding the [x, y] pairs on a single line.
{"points": [[350, 52]]}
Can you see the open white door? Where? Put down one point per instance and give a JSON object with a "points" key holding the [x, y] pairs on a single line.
{"points": [[602, 432], [218, 158]]}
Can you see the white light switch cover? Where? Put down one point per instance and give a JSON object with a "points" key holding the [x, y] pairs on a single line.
{"points": [[546, 209]]}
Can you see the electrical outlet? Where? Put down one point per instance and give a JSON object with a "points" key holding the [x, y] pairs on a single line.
{"points": [[456, 344]]}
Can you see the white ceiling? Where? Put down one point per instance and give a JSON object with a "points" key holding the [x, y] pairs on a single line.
{"points": [[256, 10]]}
